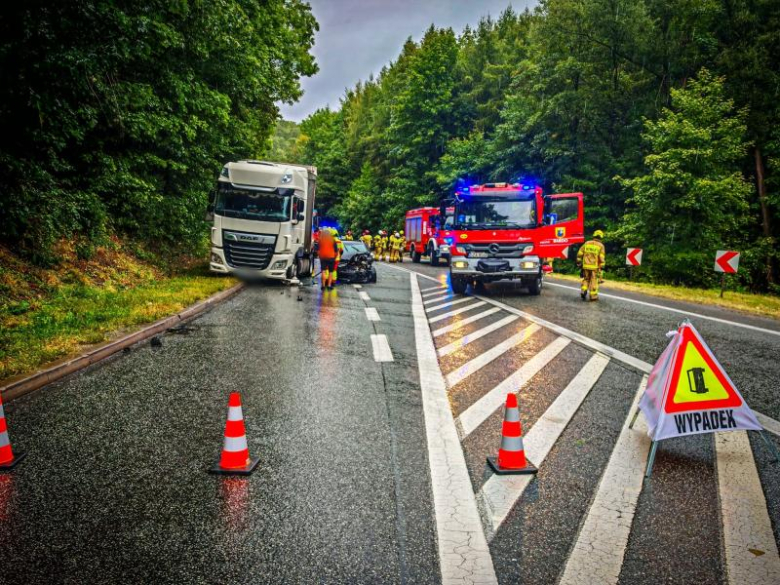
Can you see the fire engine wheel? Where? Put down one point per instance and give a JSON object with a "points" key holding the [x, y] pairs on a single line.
{"points": [[434, 258], [416, 256], [535, 287], [459, 285]]}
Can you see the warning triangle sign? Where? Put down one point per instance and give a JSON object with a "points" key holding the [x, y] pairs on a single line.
{"points": [[688, 392], [698, 382]]}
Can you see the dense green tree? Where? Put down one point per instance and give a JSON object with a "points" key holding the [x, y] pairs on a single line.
{"points": [[693, 198], [117, 114]]}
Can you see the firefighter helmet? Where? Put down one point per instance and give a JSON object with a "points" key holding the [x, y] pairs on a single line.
{"points": [[598, 234]]}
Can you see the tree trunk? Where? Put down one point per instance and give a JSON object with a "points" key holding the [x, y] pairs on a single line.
{"points": [[766, 221]]}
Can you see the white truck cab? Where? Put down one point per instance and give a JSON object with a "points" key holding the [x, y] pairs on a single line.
{"points": [[262, 213]]}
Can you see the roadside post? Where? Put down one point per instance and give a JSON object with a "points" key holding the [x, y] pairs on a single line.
{"points": [[726, 262], [633, 258], [689, 393]]}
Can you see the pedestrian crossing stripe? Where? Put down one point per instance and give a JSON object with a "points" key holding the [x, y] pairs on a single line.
{"points": [[688, 392], [698, 381]]}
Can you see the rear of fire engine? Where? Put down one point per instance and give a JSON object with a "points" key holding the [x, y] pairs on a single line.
{"points": [[503, 231]]}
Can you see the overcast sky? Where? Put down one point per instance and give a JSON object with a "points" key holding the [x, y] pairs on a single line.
{"points": [[357, 37]]}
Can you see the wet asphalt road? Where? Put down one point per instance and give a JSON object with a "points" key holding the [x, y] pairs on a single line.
{"points": [[115, 489]]}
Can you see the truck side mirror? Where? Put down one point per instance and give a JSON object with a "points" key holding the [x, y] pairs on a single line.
{"points": [[300, 216], [209, 216]]}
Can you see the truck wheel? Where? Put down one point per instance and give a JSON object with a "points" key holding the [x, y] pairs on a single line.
{"points": [[302, 267], [416, 256], [434, 258], [535, 287], [459, 285]]}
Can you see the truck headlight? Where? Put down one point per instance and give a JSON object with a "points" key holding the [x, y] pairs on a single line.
{"points": [[279, 265], [528, 264], [460, 264]]}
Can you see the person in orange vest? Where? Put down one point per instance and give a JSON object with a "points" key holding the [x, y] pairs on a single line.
{"points": [[327, 253], [591, 259]]}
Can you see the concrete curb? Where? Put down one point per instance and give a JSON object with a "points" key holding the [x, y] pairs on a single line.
{"points": [[26, 384]]}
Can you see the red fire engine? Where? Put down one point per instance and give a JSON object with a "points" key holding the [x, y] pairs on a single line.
{"points": [[502, 231], [423, 236]]}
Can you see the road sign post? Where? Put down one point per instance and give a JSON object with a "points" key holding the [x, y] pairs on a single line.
{"points": [[726, 262], [633, 258]]}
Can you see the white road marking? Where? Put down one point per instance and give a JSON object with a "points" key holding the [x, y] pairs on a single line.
{"points": [[382, 351], [637, 364], [437, 297], [364, 296], [464, 557], [601, 543], [770, 424], [372, 314], [501, 492], [463, 322], [478, 412], [438, 318], [425, 291], [449, 303], [751, 550], [680, 311], [459, 374], [465, 340]]}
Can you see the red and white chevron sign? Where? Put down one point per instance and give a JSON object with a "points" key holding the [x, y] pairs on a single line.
{"points": [[634, 256], [726, 261]]}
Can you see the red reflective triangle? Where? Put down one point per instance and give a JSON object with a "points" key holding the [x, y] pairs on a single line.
{"points": [[692, 339]]}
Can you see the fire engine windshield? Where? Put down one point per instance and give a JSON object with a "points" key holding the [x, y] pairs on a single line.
{"points": [[495, 213], [246, 204]]}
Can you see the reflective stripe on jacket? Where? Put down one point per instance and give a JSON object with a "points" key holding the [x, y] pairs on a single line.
{"points": [[591, 255]]}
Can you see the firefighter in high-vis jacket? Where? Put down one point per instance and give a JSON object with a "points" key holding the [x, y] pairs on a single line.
{"points": [[379, 247], [367, 239], [591, 260]]}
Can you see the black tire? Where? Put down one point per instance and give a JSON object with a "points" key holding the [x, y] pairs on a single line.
{"points": [[535, 288], [416, 256], [434, 258], [303, 267], [459, 285], [373, 277]]}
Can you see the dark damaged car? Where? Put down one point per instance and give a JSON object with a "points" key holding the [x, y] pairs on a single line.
{"points": [[357, 264]]}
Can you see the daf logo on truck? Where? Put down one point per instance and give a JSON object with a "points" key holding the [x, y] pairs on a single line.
{"points": [[263, 214]]}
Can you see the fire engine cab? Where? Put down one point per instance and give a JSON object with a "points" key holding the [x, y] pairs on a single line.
{"points": [[504, 231]]}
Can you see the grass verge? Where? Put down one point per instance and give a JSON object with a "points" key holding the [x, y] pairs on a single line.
{"points": [[763, 305], [62, 320]]}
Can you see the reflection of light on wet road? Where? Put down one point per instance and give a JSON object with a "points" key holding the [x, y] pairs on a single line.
{"points": [[328, 304], [234, 493], [6, 495]]}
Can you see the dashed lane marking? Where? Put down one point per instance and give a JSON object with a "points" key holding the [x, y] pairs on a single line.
{"points": [[372, 314], [601, 543], [464, 556], [438, 318], [751, 550], [448, 304], [680, 311], [471, 337], [382, 351], [459, 374], [463, 322], [478, 412], [501, 492], [364, 296], [769, 424]]}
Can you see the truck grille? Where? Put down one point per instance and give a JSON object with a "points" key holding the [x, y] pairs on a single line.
{"points": [[244, 250], [504, 250]]}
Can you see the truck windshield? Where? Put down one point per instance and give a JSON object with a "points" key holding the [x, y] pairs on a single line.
{"points": [[495, 213], [246, 204]]}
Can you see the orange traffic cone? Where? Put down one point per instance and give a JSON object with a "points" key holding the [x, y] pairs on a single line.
{"points": [[235, 458], [511, 456], [7, 457]]}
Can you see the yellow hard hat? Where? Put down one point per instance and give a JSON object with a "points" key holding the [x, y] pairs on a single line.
{"points": [[598, 234]]}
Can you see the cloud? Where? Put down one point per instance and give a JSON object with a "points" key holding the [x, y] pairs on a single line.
{"points": [[358, 37]]}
